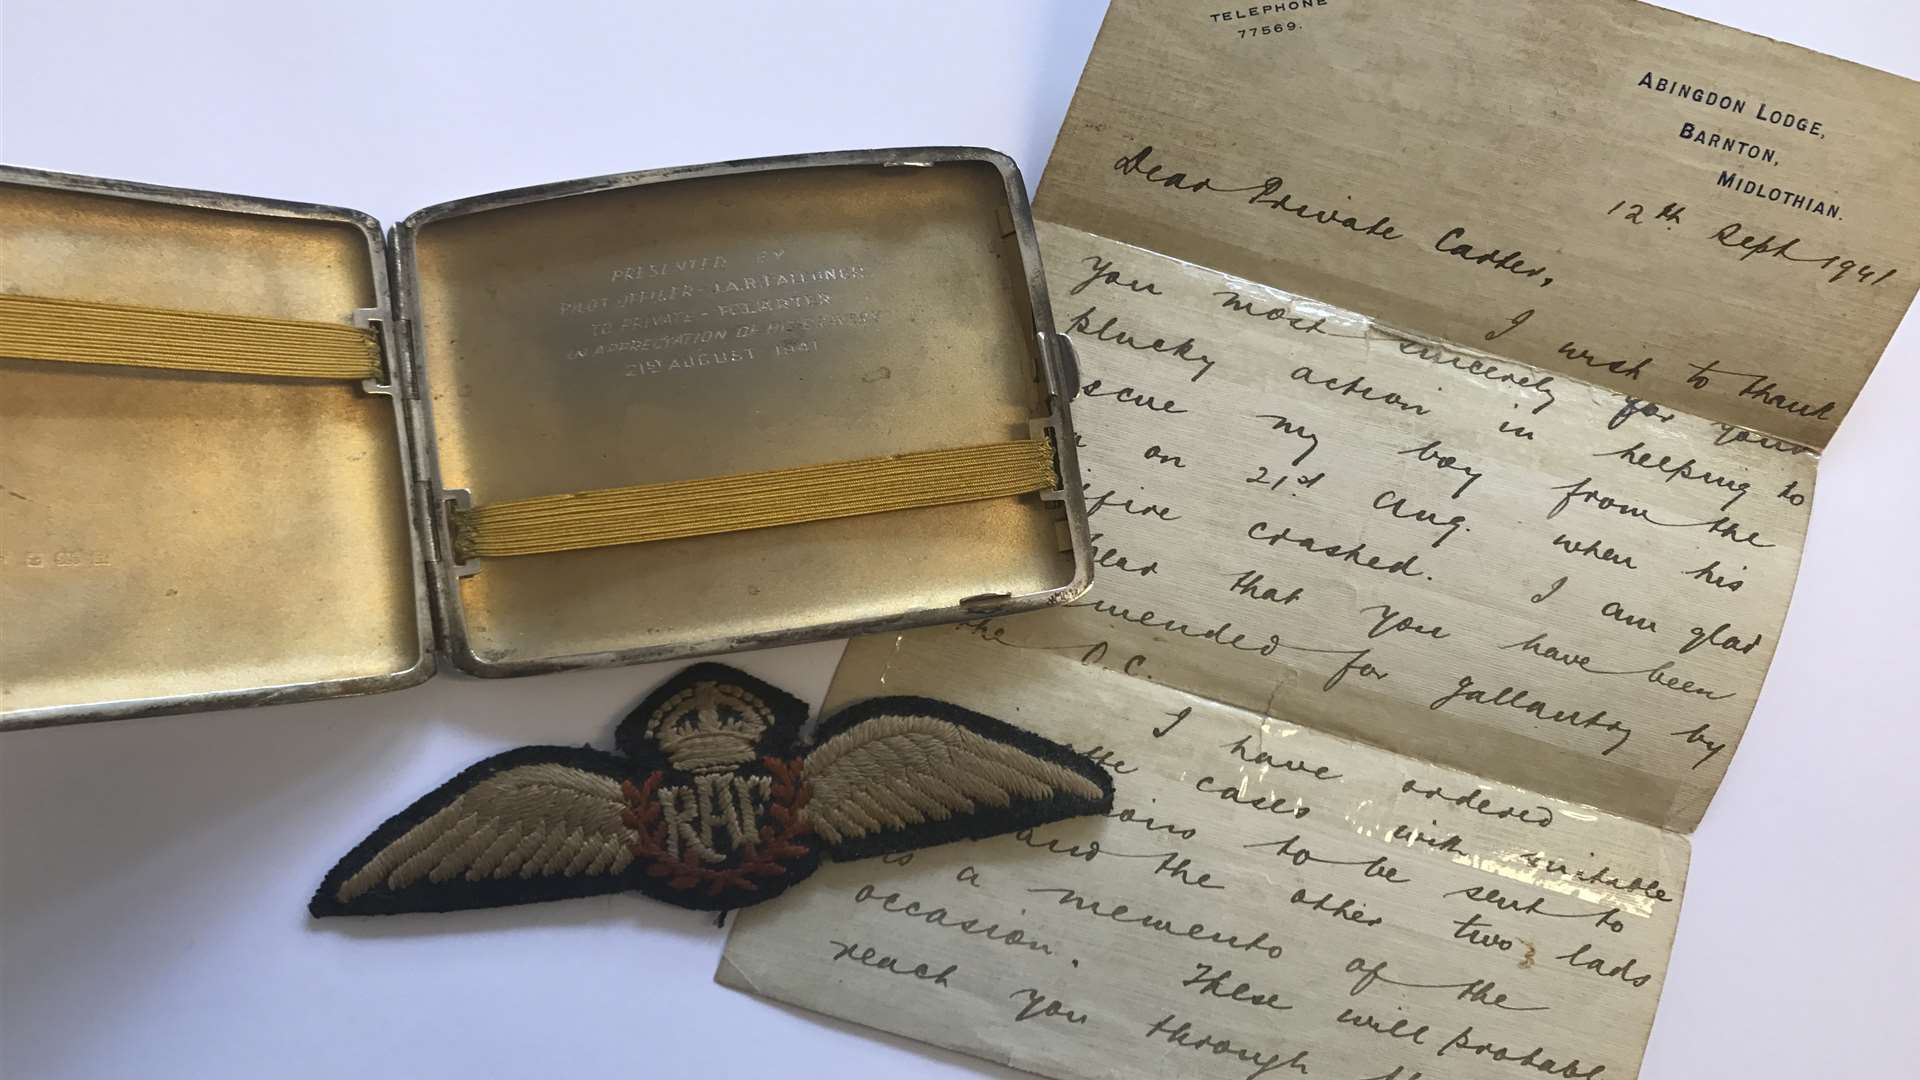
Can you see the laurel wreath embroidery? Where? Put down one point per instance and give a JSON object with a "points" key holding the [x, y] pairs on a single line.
{"points": [[779, 837]]}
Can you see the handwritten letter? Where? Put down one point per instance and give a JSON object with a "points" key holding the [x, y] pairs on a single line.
{"points": [[1443, 553], [1624, 195], [1419, 639], [1262, 901], [1362, 601]]}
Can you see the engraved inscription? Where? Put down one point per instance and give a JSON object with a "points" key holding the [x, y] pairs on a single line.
{"points": [[696, 312]]}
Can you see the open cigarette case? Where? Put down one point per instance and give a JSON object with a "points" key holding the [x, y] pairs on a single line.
{"points": [[253, 451]]}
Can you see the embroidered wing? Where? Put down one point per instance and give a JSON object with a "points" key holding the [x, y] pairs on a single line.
{"points": [[893, 773], [537, 823]]}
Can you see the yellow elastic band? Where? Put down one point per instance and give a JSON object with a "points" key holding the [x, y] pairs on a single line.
{"points": [[85, 332], [636, 515]]}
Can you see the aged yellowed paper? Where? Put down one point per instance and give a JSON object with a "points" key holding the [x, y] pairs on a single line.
{"points": [[1263, 900], [1655, 204], [1419, 637], [1446, 554], [1381, 595]]}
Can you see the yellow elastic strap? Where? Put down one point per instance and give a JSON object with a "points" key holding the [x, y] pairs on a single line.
{"points": [[85, 332], [636, 515]]}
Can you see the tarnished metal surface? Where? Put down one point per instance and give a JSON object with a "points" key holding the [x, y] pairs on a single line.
{"points": [[695, 322], [172, 541]]}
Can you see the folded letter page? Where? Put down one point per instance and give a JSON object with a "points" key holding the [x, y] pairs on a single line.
{"points": [[1453, 381]]}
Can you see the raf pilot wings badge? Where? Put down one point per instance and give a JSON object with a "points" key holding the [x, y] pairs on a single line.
{"points": [[712, 801]]}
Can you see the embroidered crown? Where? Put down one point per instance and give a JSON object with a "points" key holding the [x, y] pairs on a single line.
{"points": [[709, 726]]}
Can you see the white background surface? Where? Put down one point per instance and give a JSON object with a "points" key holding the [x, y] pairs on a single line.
{"points": [[154, 874]]}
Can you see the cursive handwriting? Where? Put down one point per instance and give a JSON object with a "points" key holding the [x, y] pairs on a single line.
{"points": [[1114, 333], [1697, 736], [1253, 583], [1160, 457], [868, 956], [1514, 697], [1632, 407], [1445, 462], [1734, 235], [1730, 434], [1607, 919], [1110, 498], [1299, 431], [1597, 964], [1225, 636], [1268, 194], [1712, 575], [1263, 532], [1183, 1035], [1127, 395], [1391, 621], [1594, 549], [1574, 351], [1603, 877], [1129, 815], [1239, 749], [1172, 863], [1763, 388], [1639, 455], [1513, 262], [1478, 802], [1478, 991], [1040, 1007], [1719, 638], [1537, 1058], [1110, 558], [1401, 1028], [894, 904], [1613, 610], [1233, 301], [1260, 944], [1475, 930], [1395, 503], [1600, 500], [1537, 645], [1536, 381], [1347, 909], [1237, 795], [1105, 274], [1207, 981], [1356, 387], [1295, 851]]}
